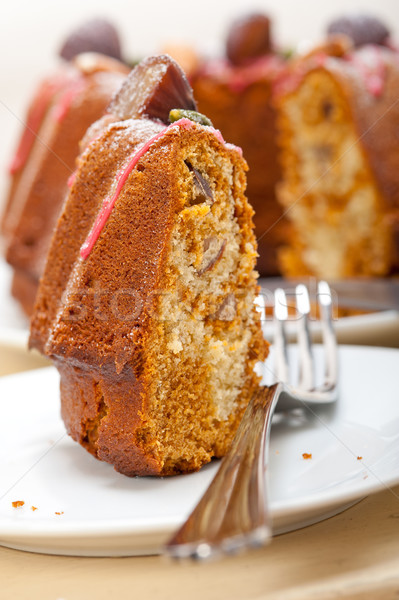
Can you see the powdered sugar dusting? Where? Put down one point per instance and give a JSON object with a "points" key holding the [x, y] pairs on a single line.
{"points": [[183, 123], [218, 134], [109, 201], [370, 64], [235, 148], [71, 179], [64, 103]]}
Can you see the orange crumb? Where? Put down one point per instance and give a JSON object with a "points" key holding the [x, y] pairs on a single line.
{"points": [[60, 513], [306, 456], [360, 458], [33, 507], [18, 503]]}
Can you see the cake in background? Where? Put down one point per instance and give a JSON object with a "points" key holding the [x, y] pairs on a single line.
{"points": [[236, 93], [146, 305], [338, 122], [63, 106]]}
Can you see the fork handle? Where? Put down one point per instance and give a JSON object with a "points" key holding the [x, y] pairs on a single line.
{"points": [[233, 513]]}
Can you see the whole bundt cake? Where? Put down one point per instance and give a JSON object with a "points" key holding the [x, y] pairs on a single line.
{"points": [[63, 107], [146, 305]]}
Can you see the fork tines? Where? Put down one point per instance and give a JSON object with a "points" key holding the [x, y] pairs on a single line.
{"points": [[306, 383]]}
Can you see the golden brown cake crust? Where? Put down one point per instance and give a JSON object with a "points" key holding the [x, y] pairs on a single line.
{"points": [[115, 441], [92, 184], [24, 288], [96, 318]]}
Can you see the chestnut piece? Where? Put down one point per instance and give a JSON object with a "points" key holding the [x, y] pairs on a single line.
{"points": [[96, 35], [227, 310], [249, 37], [361, 29], [152, 89], [202, 190], [213, 252]]}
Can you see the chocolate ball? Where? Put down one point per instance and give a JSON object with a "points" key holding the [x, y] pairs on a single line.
{"points": [[362, 29], [96, 35]]}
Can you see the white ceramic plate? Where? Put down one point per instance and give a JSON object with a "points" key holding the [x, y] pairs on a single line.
{"points": [[107, 514]]}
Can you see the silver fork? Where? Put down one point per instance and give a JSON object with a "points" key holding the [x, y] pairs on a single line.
{"points": [[233, 514]]}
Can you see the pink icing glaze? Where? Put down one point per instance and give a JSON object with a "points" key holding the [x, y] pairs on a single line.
{"points": [[71, 179], [122, 176], [235, 148], [218, 134], [369, 63], [63, 105], [182, 123], [238, 78], [290, 80], [320, 59], [35, 116]]}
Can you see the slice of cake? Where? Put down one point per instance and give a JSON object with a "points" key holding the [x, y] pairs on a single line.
{"points": [[65, 104], [146, 306], [339, 118], [236, 93]]}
